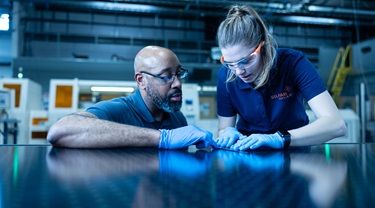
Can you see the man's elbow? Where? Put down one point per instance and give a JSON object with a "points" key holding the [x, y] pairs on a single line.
{"points": [[58, 133], [54, 136]]}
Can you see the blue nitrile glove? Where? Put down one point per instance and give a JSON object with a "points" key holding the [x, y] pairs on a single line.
{"points": [[181, 164], [228, 138], [184, 137], [255, 141]]}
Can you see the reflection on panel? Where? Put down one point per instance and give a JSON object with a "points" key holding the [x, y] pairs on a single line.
{"points": [[330, 175]]}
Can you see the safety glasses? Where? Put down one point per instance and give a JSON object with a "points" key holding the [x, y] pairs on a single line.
{"points": [[244, 62]]}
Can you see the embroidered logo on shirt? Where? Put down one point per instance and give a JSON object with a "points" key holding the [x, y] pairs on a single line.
{"points": [[283, 95]]}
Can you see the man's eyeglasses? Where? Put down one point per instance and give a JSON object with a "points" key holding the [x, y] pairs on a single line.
{"points": [[169, 79], [247, 61]]}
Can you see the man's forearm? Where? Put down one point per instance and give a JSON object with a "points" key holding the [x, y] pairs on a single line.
{"points": [[86, 131]]}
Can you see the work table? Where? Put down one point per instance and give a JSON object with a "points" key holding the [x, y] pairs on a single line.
{"points": [[328, 175]]}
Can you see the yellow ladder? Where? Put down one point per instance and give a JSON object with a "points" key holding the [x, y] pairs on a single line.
{"points": [[341, 68]]}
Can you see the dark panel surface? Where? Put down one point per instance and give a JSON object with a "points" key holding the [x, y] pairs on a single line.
{"points": [[330, 175]]}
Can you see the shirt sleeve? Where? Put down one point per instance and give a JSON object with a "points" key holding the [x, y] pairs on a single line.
{"points": [[307, 78], [224, 101], [106, 110], [98, 111]]}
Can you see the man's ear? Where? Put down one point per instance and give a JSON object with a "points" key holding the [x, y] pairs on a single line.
{"points": [[141, 80]]}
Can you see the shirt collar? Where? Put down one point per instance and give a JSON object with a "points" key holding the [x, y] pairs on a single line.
{"points": [[141, 107], [243, 85]]}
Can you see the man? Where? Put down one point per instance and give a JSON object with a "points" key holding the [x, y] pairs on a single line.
{"points": [[151, 117]]}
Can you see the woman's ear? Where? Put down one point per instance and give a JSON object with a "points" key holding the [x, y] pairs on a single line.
{"points": [[140, 79]]}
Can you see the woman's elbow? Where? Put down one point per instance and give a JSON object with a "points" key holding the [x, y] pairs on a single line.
{"points": [[341, 128]]}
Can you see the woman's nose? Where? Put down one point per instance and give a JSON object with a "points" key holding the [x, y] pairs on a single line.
{"points": [[239, 70]]}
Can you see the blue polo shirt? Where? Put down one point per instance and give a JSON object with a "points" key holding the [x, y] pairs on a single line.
{"points": [[279, 105], [133, 111]]}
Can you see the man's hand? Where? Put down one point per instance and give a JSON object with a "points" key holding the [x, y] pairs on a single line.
{"points": [[184, 137], [228, 138], [255, 141]]}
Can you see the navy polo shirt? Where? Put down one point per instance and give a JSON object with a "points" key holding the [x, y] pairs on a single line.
{"points": [[279, 105], [133, 111]]}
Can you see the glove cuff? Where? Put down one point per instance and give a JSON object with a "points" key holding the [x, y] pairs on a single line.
{"points": [[163, 141]]}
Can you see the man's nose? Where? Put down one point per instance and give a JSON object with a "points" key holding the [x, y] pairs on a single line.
{"points": [[176, 82]]}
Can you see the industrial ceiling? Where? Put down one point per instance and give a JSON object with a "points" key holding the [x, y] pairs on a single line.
{"points": [[318, 12], [321, 12]]}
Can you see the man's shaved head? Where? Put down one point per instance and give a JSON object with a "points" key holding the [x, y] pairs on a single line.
{"points": [[150, 57], [151, 63]]}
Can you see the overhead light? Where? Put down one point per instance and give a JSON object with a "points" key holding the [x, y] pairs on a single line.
{"points": [[316, 20], [338, 10], [112, 89], [120, 6]]}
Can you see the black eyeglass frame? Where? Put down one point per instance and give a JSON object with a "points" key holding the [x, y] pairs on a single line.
{"points": [[166, 79]]}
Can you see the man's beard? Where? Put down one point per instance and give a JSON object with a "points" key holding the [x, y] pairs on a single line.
{"points": [[164, 103]]}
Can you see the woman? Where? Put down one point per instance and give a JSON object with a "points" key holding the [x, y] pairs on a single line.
{"points": [[266, 88]]}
